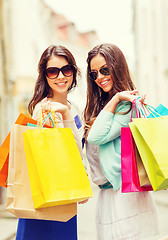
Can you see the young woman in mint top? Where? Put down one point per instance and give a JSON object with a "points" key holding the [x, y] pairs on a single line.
{"points": [[110, 91]]}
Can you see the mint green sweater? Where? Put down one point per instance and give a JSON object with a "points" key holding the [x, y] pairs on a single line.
{"points": [[106, 132]]}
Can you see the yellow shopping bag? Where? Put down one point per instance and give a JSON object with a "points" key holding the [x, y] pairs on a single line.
{"points": [[56, 171], [150, 135], [19, 199]]}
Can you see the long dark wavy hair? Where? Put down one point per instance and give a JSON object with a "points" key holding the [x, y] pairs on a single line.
{"points": [[119, 72], [42, 89]]}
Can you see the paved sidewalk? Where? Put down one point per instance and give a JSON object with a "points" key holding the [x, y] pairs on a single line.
{"points": [[8, 225], [8, 229], [86, 219]]}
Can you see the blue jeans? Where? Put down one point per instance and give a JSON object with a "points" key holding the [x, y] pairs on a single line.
{"points": [[33, 229]]}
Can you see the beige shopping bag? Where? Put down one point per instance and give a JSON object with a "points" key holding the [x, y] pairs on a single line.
{"points": [[143, 177], [19, 198]]}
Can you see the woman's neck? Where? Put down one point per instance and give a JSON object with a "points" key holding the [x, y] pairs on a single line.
{"points": [[61, 98], [111, 94]]}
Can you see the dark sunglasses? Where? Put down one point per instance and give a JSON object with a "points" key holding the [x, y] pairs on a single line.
{"points": [[104, 70], [67, 71]]}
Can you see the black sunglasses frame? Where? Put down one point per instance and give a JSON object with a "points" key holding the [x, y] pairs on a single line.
{"points": [[101, 70], [62, 70]]}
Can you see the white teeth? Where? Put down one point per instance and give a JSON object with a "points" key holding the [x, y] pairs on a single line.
{"points": [[103, 83], [61, 83]]}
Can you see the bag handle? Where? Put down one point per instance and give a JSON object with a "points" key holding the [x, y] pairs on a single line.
{"points": [[50, 115], [134, 103], [54, 117], [152, 110], [149, 108], [45, 120], [141, 108]]}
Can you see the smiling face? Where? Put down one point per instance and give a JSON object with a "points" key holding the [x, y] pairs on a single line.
{"points": [[61, 83], [103, 81]]}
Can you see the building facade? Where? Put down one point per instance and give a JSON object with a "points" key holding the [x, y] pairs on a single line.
{"points": [[4, 68], [151, 49], [35, 26]]}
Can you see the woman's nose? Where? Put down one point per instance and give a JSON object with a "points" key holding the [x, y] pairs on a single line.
{"points": [[99, 75], [60, 75]]}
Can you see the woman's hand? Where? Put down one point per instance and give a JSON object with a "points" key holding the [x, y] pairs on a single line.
{"points": [[142, 99], [130, 96], [58, 107], [63, 109], [47, 106], [126, 95], [123, 96]]}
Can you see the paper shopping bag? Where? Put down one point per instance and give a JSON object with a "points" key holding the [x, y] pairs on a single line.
{"points": [[142, 174], [4, 159], [159, 110], [4, 149], [56, 171], [129, 169], [4, 174], [150, 136], [19, 198]]}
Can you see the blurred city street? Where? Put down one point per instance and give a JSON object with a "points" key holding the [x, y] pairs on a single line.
{"points": [[86, 218]]}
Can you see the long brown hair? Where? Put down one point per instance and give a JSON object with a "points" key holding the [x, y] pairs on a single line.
{"points": [[119, 72], [42, 89]]}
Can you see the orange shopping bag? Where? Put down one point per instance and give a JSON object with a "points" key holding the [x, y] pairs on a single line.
{"points": [[4, 149]]}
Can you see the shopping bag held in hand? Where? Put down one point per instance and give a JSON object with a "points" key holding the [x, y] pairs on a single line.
{"points": [[131, 164], [160, 110], [19, 198], [56, 171], [150, 135], [4, 150]]}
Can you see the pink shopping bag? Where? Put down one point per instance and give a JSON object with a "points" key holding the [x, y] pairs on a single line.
{"points": [[131, 164], [129, 169]]}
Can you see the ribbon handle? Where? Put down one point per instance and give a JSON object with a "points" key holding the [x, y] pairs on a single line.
{"points": [[49, 115], [134, 103], [144, 109]]}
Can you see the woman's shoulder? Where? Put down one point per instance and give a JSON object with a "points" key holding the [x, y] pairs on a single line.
{"points": [[37, 107]]}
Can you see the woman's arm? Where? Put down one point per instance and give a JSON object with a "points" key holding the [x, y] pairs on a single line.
{"points": [[107, 125]]}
